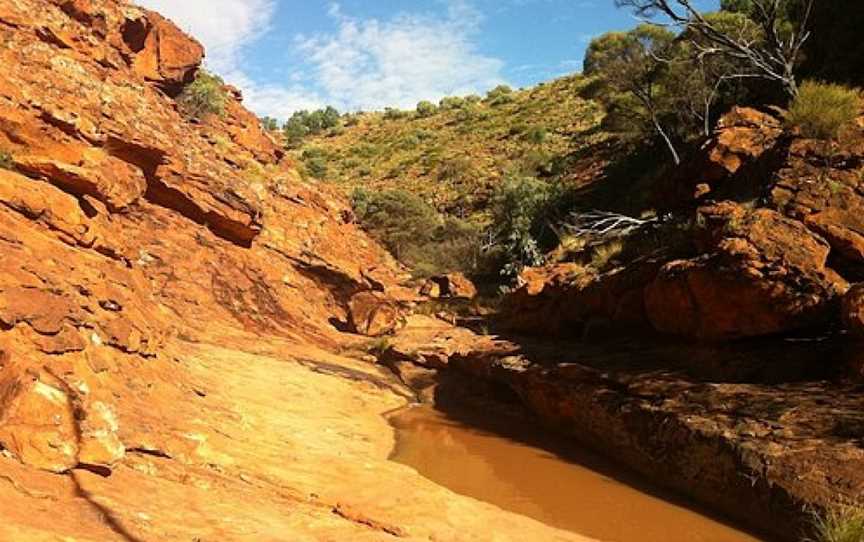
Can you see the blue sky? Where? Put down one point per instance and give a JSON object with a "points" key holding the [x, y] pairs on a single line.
{"points": [[367, 54]]}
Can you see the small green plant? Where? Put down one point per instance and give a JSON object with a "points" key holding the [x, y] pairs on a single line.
{"points": [[203, 97], [536, 136], [497, 92], [839, 524], [824, 110], [6, 160], [500, 95]]}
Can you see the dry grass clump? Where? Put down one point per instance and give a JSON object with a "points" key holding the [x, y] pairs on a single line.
{"points": [[824, 110]]}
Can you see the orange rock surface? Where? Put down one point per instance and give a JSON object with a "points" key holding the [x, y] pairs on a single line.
{"points": [[167, 297]]}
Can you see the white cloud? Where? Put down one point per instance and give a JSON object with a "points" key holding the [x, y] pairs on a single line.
{"points": [[364, 64], [370, 64]]}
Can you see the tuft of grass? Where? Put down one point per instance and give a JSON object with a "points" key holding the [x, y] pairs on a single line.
{"points": [[6, 160], [606, 253], [379, 346], [203, 97], [839, 524], [824, 110]]}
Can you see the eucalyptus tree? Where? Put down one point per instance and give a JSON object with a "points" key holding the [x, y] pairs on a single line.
{"points": [[773, 56]]}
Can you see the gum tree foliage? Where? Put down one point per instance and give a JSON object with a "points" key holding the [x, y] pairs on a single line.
{"points": [[774, 57], [631, 77], [699, 79], [654, 82]]}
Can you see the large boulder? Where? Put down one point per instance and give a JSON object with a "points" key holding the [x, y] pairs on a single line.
{"points": [[760, 273], [374, 314], [743, 136], [853, 311], [163, 53], [452, 285]]}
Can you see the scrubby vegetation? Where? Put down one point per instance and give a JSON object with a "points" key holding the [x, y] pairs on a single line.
{"points": [[203, 97], [455, 158], [417, 234], [824, 110]]}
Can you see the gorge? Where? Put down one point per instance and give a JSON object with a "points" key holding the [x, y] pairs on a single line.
{"points": [[199, 342]]}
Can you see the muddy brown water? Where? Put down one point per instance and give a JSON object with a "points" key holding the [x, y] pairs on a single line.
{"points": [[583, 493]]}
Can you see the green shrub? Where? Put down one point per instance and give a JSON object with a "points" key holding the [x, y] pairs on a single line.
{"points": [[824, 110], [415, 233], [316, 162], [457, 170], [203, 97], [452, 102], [426, 109], [473, 99], [366, 150], [522, 209], [840, 524], [497, 92], [6, 160], [536, 135], [392, 113], [269, 124], [305, 123]]}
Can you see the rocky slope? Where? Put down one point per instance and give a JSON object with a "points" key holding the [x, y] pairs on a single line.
{"points": [[772, 240], [167, 293]]}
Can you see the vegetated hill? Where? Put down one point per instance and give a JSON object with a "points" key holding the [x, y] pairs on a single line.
{"points": [[454, 154]]}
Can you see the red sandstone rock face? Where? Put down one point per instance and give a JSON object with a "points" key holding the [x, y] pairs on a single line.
{"points": [[743, 136], [122, 226], [760, 273]]}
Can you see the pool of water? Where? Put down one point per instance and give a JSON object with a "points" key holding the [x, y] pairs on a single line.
{"points": [[582, 493]]}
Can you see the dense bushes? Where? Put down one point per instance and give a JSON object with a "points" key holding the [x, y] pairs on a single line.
{"points": [[824, 110], [393, 113], [416, 234], [205, 96]]}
